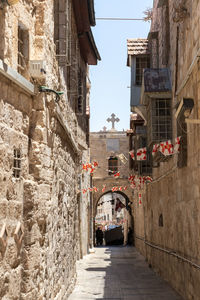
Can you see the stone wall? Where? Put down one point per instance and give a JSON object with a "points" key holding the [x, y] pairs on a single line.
{"points": [[100, 153], [38, 261], [167, 222]]}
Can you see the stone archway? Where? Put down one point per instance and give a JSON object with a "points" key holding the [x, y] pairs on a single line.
{"points": [[110, 183], [127, 194]]}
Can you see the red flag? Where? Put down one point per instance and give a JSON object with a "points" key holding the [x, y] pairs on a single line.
{"points": [[132, 154], [177, 145], [95, 164], [117, 174], [104, 188], [155, 149], [119, 205], [142, 154], [166, 148], [85, 167]]}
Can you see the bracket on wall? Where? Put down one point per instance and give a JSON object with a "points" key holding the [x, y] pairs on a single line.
{"points": [[48, 90]]}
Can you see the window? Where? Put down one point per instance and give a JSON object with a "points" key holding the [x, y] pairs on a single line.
{"points": [[143, 167], [62, 30], [23, 50], [141, 64], [17, 163], [112, 165], [159, 120], [112, 145], [81, 101]]}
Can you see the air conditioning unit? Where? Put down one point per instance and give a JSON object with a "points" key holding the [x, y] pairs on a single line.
{"points": [[37, 68]]}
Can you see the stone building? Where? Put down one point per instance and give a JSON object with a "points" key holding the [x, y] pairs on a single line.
{"points": [[106, 148], [167, 107], [45, 50]]}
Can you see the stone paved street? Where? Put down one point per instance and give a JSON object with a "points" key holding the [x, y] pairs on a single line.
{"points": [[119, 273]]}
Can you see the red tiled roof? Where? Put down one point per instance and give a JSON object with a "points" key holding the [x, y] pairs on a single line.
{"points": [[137, 46]]}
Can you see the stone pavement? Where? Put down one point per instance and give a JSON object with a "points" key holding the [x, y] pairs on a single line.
{"points": [[119, 273]]}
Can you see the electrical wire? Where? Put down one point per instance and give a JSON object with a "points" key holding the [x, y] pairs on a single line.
{"points": [[120, 19]]}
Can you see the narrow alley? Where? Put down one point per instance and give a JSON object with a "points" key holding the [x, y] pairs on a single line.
{"points": [[119, 273]]}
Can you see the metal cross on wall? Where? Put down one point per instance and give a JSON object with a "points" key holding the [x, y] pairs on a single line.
{"points": [[113, 120]]}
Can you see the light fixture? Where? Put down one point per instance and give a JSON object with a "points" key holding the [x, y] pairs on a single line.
{"points": [[184, 108]]}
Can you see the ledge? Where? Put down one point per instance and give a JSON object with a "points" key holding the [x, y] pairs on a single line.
{"points": [[15, 77]]}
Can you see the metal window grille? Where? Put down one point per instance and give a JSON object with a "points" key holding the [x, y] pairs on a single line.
{"points": [[144, 167], [21, 56], [112, 165], [80, 94], [159, 120], [17, 163], [141, 64], [62, 31]]}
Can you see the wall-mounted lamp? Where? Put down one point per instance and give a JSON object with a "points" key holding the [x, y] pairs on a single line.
{"points": [[8, 2], [47, 90], [184, 108]]}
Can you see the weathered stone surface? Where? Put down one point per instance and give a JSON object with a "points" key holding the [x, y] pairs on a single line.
{"points": [[174, 193], [44, 197]]}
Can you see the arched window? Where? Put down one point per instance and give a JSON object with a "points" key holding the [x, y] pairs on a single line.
{"points": [[112, 165]]}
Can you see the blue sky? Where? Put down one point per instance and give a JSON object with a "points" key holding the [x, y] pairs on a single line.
{"points": [[110, 79]]}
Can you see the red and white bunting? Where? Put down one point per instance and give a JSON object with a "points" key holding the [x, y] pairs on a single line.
{"points": [[132, 154], [177, 145], [156, 148], [104, 188], [117, 174], [166, 148], [142, 154]]}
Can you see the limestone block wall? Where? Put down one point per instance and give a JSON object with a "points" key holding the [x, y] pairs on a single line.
{"points": [[15, 113], [45, 198], [100, 152], [174, 195]]}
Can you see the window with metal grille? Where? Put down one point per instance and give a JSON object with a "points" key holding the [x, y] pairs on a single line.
{"points": [[23, 49], [17, 163], [159, 120], [62, 31], [141, 64], [112, 165], [144, 167]]}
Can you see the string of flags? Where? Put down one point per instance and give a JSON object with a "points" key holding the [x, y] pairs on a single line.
{"points": [[166, 148], [90, 167], [136, 182]]}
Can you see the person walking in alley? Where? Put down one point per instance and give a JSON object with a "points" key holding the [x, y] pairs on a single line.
{"points": [[99, 236]]}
